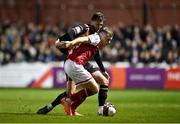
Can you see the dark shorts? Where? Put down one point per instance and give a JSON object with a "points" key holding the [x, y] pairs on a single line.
{"points": [[89, 67]]}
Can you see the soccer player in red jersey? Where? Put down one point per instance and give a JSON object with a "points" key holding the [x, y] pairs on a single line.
{"points": [[82, 50]]}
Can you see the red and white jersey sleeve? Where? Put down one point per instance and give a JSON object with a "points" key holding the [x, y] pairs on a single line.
{"points": [[83, 53], [94, 39]]}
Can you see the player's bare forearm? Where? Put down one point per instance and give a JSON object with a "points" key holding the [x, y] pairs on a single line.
{"points": [[80, 40], [71, 44]]}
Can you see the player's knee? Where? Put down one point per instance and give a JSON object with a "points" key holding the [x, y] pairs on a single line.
{"points": [[92, 91], [96, 89], [105, 82], [100, 79], [91, 86]]}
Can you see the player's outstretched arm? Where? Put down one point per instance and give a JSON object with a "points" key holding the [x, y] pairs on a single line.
{"points": [[92, 39], [71, 44], [79, 40]]}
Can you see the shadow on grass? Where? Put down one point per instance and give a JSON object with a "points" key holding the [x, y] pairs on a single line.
{"points": [[32, 114]]}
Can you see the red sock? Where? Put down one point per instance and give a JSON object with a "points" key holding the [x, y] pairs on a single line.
{"points": [[78, 98]]}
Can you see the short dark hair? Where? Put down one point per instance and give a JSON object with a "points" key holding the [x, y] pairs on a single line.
{"points": [[98, 16]]}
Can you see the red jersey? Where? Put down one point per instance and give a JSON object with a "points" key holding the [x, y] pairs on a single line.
{"points": [[84, 52]]}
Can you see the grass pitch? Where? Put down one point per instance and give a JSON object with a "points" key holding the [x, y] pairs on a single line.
{"points": [[20, 105]]}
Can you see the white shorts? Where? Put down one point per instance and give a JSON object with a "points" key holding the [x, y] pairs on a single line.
{"points": [[76, 72]]}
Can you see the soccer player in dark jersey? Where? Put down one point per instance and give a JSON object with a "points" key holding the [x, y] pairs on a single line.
{"points": [[97, 21]]}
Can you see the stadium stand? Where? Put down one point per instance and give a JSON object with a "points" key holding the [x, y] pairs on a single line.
{"points": [[29, 42]]}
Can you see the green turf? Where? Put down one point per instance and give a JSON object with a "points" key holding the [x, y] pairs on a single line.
{"points": [[20, 105]]}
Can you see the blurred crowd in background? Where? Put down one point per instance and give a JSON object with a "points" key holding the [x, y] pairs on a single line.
{"points": [[21, 42]]}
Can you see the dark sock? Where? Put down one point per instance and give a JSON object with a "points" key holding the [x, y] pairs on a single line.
{"points": [[78, 98], [57, 101], [102, 96]]}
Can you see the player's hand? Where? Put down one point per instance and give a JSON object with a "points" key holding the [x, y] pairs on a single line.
{"points": [[65, 44], [106, 75], [70, 45]]}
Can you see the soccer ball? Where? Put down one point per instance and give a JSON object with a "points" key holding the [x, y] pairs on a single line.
{"points": [[109, 109]]}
